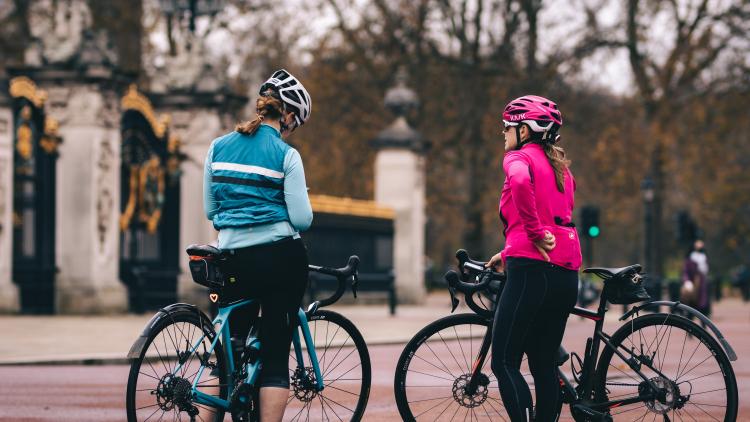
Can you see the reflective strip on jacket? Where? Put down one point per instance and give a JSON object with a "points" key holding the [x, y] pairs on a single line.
{"points": [[248, 179]]}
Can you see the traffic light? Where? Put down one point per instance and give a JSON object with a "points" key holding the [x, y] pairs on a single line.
{"points": [[590, 221]]}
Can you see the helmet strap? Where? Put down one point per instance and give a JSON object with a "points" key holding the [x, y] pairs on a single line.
{"points": [[519, 142]]}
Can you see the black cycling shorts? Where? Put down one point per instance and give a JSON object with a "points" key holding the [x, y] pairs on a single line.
{"points": [[275, 274]]}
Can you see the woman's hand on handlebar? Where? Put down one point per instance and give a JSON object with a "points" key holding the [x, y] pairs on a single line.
{"points": [[496, 263]]}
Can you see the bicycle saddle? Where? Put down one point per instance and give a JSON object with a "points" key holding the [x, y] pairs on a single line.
{"points": [[203, 250], [607, 273]]}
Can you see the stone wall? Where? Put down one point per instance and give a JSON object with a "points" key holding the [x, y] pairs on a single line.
{"points": [[8, 290]]}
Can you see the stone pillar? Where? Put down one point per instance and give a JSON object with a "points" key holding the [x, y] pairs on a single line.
{"points": [[197, 118], [88, 197], [8, 290], [400, 184]]}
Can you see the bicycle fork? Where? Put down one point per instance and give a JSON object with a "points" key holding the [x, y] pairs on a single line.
{"points": [[305, 328]]}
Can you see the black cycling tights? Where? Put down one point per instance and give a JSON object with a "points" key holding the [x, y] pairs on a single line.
{"points": [[530, 318], [276, 275]]}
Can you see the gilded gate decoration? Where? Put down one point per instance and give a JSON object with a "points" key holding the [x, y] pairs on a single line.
{"points": [[150, 203], [35, 151]]}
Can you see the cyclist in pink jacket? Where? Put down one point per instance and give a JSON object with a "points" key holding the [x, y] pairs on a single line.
{"points": [[541, 257]]}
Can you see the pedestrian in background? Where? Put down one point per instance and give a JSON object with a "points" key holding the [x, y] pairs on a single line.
{"points": [[695, 291]]}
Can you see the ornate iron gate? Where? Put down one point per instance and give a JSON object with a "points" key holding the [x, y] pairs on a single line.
{"points": [[150, 220], [35, 154]]}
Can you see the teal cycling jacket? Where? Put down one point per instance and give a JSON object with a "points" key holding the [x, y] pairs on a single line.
{"points": [[254, 186]]}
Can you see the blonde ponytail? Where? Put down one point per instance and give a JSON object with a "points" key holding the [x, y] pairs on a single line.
{"points": [[556, 158], [265, 107]]}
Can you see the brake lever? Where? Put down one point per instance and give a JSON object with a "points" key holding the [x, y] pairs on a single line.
{"points": [[355, 282], [454, 300]]}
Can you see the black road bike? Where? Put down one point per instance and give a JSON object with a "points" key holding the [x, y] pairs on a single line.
{"points": [[656, 366]]}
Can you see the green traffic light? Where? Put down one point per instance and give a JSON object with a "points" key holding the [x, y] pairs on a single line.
{"points": [[594, 231]]}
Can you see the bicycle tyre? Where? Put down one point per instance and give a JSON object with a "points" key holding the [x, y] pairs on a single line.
{"points": [[179, 326], [347, 388], [446, 372], [692, 333]]}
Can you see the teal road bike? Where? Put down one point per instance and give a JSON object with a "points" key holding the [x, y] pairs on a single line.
{"points": [[185, 366]]}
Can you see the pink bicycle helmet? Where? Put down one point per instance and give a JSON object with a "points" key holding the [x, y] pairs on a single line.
{"points": [[539, 113]]}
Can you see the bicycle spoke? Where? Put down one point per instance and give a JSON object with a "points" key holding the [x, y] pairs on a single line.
{"points": [[323, 400], [342, 390], [450, 403], [426, 400], [688, 413], [149, 376], [339, 364], [333, 359], [440, 360], [690, 359], [702, 376], [701, 409], [669, 336], [433, 407], [456, 412], [699, 364], [458, 340], [335, 402], [449, 349], [706, 392], [358, 365], [433, 365], [149, 417], [629, 410], [430, 375]]}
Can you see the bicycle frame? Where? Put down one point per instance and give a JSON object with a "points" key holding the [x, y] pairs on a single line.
{"points": [[583, 392], [221, 325]]}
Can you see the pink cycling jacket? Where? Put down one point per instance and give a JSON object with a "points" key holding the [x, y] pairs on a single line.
{"points": [[530, 204]]}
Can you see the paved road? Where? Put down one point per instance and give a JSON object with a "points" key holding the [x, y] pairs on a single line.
{"points": [[96, 393]]}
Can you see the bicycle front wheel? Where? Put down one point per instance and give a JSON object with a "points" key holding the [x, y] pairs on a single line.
{"points": [[345, 366], [161, 378], [435, 367], [678, 357]]}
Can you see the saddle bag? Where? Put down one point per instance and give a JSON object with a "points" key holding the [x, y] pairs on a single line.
{"points": [[205, 271], [626, 289]]}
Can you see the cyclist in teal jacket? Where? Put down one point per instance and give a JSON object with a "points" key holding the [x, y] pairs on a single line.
{"points": [[254, 192]]}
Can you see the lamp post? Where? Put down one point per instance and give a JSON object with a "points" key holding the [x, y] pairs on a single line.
{"points": [[187, 10], [653, 282]]}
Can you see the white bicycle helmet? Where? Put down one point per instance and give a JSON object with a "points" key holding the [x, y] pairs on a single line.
{"points": [[291, 92]]}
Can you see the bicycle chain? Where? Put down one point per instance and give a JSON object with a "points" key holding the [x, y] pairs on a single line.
{"points": [[622, 384]]}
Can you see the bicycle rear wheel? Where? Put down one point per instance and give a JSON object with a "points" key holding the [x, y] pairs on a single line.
{"points": [[156, 391], [345, 365], [677, 356], [435, 366]]}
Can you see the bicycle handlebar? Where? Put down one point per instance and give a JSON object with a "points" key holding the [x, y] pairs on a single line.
{"points": [[472, 269], [341, 274]]}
